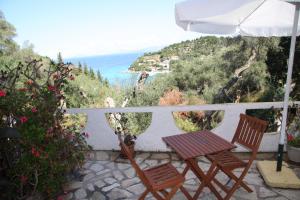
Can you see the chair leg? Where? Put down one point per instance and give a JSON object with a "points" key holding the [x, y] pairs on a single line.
{"points": [[201, 175], [235, 178], [185, 192], [223, 187], [142, 197], [185, 170], [173, 191], [238, 182], [233, 189], [156, 195], [167, 195], [246, 187], [211, 174], [164, 193]]}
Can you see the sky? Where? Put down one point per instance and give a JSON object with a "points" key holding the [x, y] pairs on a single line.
{"points": [[79, 28]]}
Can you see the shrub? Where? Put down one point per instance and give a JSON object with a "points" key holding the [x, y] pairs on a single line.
{"points": [[32, 101], [293, 129]]}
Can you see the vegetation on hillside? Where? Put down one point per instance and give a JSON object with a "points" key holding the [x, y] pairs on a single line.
{"points": [[223, 70]]}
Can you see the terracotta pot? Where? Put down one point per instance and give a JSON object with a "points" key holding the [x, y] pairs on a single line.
{"points": [[131, 149], [293, 153]]}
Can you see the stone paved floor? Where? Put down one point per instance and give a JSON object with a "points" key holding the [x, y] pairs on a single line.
{"points": [[108, 177]]}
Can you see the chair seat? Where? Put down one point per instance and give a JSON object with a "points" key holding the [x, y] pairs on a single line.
{"points": [[163, 176], [227, 160]]}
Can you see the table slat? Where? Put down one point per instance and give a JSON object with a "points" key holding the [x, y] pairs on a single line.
{"points": [[191, 145]]}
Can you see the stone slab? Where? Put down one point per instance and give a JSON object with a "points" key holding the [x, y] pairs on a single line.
{"points": [[80, 193], [284, 179]]}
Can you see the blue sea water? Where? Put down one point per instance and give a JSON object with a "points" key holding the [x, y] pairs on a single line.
{"points": [[112, 67]]}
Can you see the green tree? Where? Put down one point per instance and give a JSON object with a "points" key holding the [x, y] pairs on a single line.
{"points": [[106, 83], [277, 65], [59, 58], [85, 69], [80, 67], [99, 77], [7, 33], [7, 45], [92, 74], [26, 53]]}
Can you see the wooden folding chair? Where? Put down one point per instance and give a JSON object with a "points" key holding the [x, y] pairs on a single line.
{"points": [[248, 134], [158, 179]]}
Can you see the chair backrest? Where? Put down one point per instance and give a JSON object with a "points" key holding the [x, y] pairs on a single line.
{"points": [[129, 155], [249, 132]]}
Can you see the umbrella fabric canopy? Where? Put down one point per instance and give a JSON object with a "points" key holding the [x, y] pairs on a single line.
{"points": [[235, 17], [259, 18]]}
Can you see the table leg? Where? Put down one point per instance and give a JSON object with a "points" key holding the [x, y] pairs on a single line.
{"points": [[183, 190], [186, 169], [213, 170], [205, 179]]}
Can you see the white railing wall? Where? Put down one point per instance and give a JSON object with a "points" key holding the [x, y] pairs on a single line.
{"points": [[102, 136]]}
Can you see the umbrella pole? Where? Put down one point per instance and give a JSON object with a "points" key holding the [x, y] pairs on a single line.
{"points": [[287, 89]]}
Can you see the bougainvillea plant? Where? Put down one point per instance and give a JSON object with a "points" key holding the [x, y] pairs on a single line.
{"points": [[32, 100], [293, 140], [293, 130]]}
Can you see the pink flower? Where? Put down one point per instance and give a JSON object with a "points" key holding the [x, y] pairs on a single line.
{"points": [[37, 154], [23, 179], [290, 137], [33, 109], [51, 88], [34, 152], [60, 198], [23, 119], [2, 93]]}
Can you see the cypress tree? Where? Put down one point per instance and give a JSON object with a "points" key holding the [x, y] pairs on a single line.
{"points": [[85, 69], [79, 67], [106, 83], [92, 74], [59, 58], [99, 77]]}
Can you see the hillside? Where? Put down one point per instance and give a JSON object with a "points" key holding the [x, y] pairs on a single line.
{"points": [[218, 69], [201, 47]]}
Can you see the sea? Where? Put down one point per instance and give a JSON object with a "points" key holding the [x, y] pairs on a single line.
{"points": [[113, 67]]}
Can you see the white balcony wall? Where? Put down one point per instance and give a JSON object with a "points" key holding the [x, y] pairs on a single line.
{"points": [[102, 136]]}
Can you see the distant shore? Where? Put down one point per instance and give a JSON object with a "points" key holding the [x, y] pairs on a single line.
{"points": [[151, 73]]}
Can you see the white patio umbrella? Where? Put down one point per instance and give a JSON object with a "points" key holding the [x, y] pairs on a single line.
{"points": [[255, 18]]}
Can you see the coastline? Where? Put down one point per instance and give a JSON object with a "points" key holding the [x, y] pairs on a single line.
{"points": [[151, 73]]}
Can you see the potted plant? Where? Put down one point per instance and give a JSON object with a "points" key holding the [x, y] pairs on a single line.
{"points": [[293, 139], [128, 139], [120, 123]]}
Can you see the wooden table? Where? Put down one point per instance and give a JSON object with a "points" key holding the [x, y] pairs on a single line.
{"points": [[189, 146]]}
